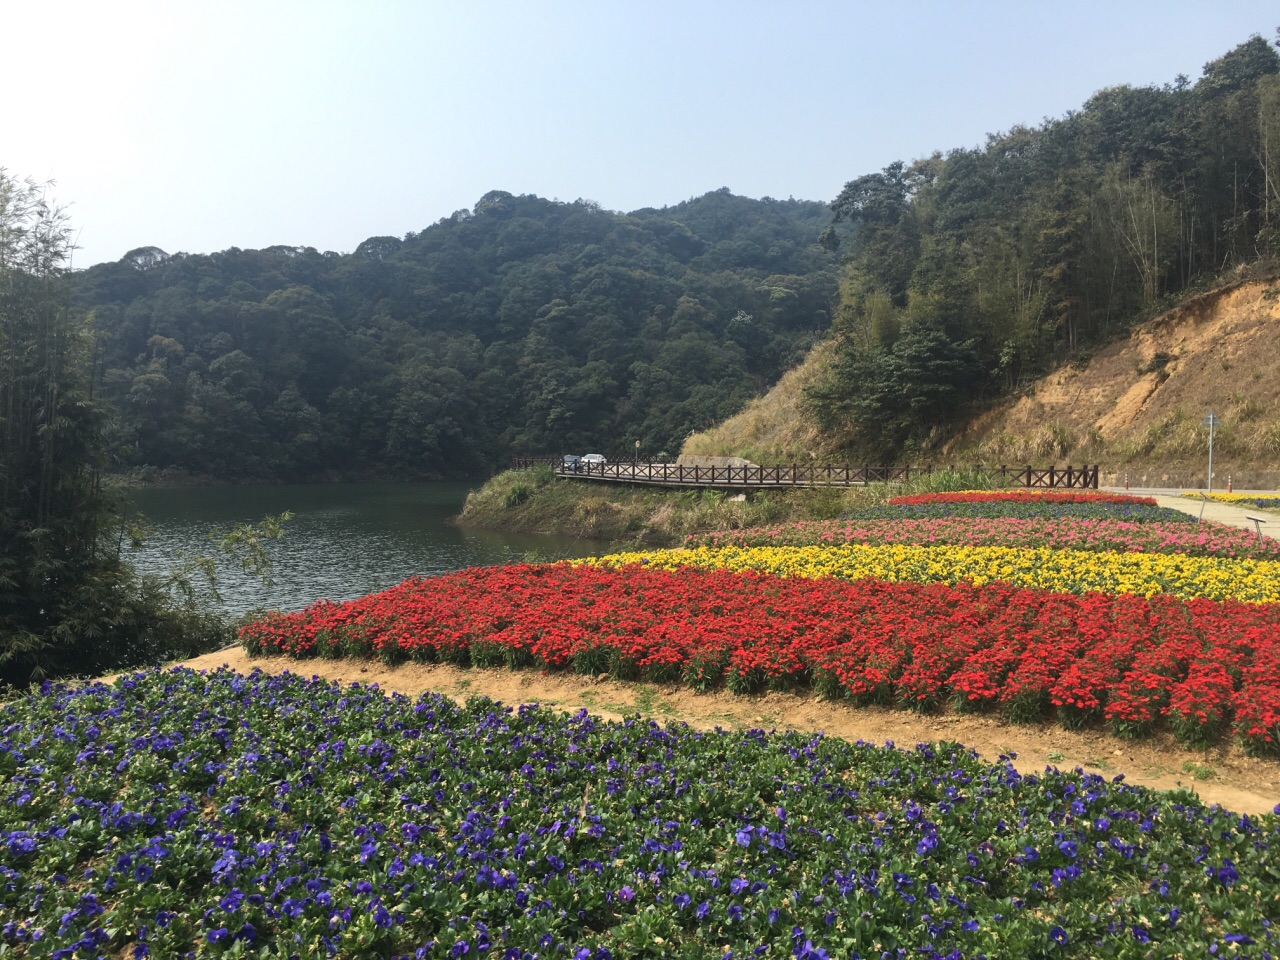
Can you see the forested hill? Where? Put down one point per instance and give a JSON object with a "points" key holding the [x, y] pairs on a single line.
{"points": [[967, 275], [523, 325]]}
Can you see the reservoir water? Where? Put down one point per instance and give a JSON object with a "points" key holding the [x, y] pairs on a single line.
{"points": [[344, 540]]}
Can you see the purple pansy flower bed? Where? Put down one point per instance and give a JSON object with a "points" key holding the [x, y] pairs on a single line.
{"points": [[178, 814]]}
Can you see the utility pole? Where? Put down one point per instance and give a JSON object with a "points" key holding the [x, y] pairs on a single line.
{"points": [[1211, 421]]}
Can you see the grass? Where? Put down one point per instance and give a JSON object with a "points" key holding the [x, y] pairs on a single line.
{"points": [[772, 428], [1199, 771], [536, 501], [649, 702]]}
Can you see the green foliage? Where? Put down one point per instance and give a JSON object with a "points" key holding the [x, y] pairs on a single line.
{"points": [[58, 587], [521, 326], [1044, 241], [887, 397], [69, 603], [951, 480]]}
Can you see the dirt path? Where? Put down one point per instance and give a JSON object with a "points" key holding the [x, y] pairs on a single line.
{"points": [[1224, 513], [1224, 775]]}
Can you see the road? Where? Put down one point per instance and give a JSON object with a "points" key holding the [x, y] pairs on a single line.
{"points": [[1218, 512]]}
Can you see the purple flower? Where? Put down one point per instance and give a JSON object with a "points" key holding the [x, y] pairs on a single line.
{"points": [[1227, 874], [807, 951]]}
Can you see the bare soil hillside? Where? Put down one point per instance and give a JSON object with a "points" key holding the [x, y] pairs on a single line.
{"points": [[1137, 406]]}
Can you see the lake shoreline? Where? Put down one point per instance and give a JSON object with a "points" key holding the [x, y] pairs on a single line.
{"points": [[535, 501], [343, 540]]}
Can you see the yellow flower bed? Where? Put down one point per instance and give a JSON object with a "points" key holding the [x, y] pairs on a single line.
{"points": [[1228, 497], [1070, 571]]}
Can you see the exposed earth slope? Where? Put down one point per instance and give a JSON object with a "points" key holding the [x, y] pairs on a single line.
{"points": [[1135, 406]]}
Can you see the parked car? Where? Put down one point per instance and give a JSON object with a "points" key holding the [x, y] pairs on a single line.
{"points": [[571, 463], [590, 460]]}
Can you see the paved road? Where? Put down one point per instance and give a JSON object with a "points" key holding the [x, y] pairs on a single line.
{"points": [[1224, 513]]}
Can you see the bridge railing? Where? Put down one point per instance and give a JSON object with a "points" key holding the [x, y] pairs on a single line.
{"points": [[800, 475]]}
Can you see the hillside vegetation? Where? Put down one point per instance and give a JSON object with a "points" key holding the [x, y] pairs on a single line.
{"points": [[531, 326], [523, 325], [1139, 404], [1135, 406], [969, 275]]}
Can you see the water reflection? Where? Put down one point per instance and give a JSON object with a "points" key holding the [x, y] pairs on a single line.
{"points": [[345, 540]]}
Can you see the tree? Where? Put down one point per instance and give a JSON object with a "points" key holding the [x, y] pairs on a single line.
{"points": [[68, 602], [881, 400], [54, 577]]}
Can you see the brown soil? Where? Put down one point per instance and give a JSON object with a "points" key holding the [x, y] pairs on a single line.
{"points": [[1223, 775], [1137, 404], [1134, 406]]}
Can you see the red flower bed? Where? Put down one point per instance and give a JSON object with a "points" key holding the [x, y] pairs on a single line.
{"points": [[1021, 496], [1128, 659]]}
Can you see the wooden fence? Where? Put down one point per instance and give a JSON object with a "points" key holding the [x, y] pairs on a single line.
{"points": [[794, 475]]}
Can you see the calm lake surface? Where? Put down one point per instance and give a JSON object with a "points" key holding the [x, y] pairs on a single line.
{"points": [[345, 540]]}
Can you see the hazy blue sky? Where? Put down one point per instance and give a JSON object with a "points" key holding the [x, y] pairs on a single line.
{"points": [[199, 126]]}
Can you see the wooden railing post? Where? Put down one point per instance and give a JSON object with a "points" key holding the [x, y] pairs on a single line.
{"points": [[811, 474]]}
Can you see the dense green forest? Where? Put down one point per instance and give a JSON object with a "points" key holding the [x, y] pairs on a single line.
{"points": [[69, 601], [967, 274], [523, 326], [528, 325]]}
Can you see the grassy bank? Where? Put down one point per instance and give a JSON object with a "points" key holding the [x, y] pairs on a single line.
{"points": [[536, 501]]}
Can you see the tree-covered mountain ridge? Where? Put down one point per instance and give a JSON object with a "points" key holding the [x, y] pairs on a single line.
{"points": [[527, 326], [968, 276], [522, 325], [1135, 406]]}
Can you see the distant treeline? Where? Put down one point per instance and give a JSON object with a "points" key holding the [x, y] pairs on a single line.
{"points": [[521, 326], [970, 273], [529, 326]]}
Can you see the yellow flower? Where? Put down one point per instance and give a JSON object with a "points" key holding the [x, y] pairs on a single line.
{"points": [[1073, 571]]}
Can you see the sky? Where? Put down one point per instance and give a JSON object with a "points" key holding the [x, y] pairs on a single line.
{"points": [[198, 125]]}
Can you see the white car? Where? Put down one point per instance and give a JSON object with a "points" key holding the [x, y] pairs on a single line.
{"points": [[593, 460]]}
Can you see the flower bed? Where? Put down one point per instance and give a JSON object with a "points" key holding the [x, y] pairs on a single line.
{"points": [[1026, 510], [1072, 571], [1021, 496], [1057, 533], [1263, 500], [180, 814], [1133, 661]]}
